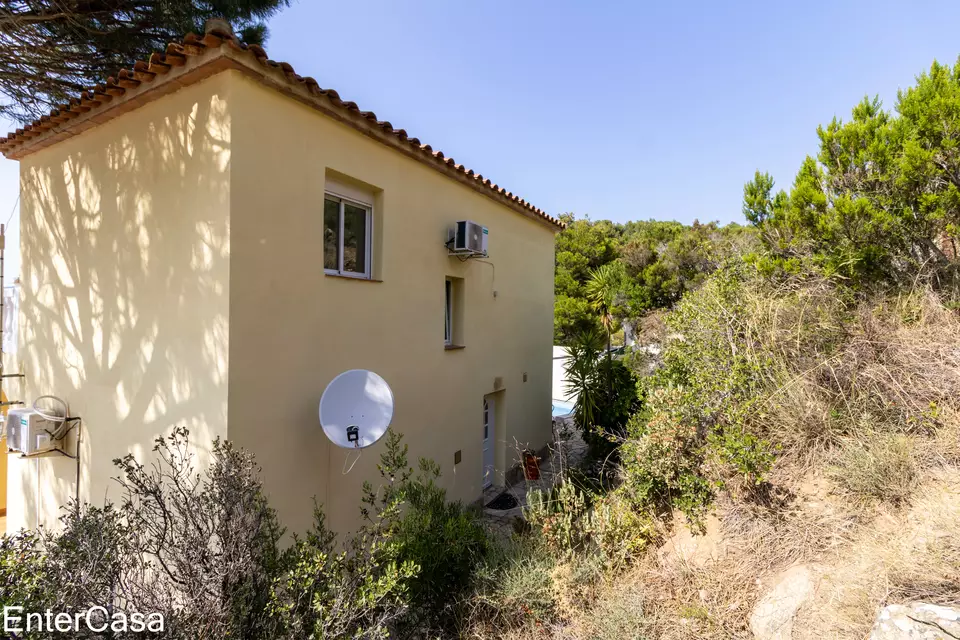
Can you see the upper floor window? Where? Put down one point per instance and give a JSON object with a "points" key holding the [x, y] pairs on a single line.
{"points": [[448, 312], [453, 312], [347, 230]]}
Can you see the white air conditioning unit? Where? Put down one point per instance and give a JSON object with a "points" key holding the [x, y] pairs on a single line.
{"points": [[29, 433], [468, 238]]}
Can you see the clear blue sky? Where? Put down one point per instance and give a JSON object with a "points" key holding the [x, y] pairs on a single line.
{"points": [[621, 110]]}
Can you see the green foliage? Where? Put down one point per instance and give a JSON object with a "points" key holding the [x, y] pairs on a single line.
{"points": [[446, 540], [618, 402], [621, 529], [561, 515], [360, 589], [601, 290], [210, 538], [201, 550], [880, 204], [64, 48], [84, 563], [611, 528], [659, 273], [571, 318], [407, 569], [607, 272], [351, 593], [697, 430], [586, 386], [663, 456], [23, 574], [603, 389]]}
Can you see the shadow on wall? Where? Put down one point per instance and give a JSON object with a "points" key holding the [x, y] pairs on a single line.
{"points": [[124, 310]]}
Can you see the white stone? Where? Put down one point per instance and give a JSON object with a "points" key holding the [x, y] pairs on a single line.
{"points": [[773, 617], [917, 621]]}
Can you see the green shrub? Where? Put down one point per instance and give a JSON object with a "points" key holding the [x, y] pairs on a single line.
{"points": [[85, 563], [571, 522], [201, 550], [23, 575], [663, 456], [353, 593], [620, 531], [446, 540], [561, 516], [701, 428]]}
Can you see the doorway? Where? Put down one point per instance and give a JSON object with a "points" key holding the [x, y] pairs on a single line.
{"points": [[489, 420]]}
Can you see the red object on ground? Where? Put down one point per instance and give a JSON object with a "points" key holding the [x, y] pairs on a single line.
{"points": [[531, 466]]}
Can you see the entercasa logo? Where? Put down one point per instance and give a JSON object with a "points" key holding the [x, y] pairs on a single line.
{"points": [[95, 619]]}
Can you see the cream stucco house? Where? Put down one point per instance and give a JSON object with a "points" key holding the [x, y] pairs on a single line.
{"points": [[209, 238]]}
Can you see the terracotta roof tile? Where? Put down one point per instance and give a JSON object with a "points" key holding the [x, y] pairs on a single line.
{"points": [[199, 47]]}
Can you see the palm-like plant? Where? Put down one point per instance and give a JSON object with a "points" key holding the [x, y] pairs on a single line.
{"points": [[584, 384], [602, 290]]}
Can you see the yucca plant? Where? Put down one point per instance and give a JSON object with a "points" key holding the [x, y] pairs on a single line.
{"points": [[585, 384]]}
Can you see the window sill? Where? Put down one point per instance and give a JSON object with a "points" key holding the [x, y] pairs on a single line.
{"points": [[357, 278], [453, 347]]}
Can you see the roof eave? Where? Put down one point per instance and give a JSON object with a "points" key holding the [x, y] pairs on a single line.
{"points": [[197, 59]]}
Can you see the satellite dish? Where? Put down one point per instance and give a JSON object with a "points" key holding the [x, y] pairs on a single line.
{"points": [[356, 409]]}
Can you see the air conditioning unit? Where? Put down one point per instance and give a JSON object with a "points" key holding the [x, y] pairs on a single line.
{"points": [[468, 238], [28, 432]]}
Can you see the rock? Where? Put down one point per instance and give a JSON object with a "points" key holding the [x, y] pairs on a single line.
{"points": [[772, 618], [917, 621]]}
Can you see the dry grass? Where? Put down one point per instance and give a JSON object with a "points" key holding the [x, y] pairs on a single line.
{"points": [[879, 466], [893, 366], [864, 558], [905, 555]]}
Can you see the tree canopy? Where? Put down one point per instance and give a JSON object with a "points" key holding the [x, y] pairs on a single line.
{"points": [[652, 263], [50, 50], [881, 201]]}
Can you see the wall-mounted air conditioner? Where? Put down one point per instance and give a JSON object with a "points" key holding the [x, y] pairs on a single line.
{"points": [[468, 239], [28, 432]]}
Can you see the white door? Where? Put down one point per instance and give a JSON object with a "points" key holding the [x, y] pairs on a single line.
{"points": [[487, 443]]}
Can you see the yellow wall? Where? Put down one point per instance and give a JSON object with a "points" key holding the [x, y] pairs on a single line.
{"points": [[125, 248], [186, 234], [292, 328]]}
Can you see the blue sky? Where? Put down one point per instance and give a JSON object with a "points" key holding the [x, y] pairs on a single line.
{"points": [[619, 110]]}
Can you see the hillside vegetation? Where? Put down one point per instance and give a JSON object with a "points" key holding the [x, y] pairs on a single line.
{"points": [[803, 412]]}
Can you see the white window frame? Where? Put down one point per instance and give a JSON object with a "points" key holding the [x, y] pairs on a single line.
{"points": [[368, 250], [448, 293]]}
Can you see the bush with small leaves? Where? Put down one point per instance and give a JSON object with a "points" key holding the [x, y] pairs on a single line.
{"points": [[446, 540], [23, 572]]}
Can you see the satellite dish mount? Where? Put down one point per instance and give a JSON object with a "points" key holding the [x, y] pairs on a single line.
{"points": [[353, 435]]}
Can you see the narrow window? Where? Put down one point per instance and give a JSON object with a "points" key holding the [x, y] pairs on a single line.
{"points": [[346, 237], [448, 313], [453, 323]]}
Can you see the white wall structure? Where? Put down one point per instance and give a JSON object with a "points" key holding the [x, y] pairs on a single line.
{"points": [[559, 377]]}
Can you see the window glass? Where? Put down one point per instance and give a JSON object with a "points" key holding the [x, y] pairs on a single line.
{"points": [[486, 421], [354, 239], [331, 234]]}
